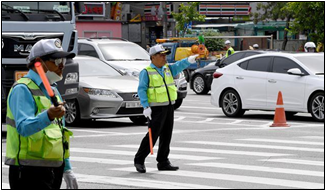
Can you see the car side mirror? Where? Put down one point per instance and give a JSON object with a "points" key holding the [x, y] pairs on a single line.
{"points": [[295, 71]]}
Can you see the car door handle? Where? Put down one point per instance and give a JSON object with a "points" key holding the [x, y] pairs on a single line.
{"points": [[239, 78], [272, 81]]}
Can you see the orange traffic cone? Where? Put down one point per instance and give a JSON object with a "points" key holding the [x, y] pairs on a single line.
{"points": [[280, 115]]}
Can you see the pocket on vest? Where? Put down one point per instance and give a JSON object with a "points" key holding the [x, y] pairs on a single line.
{"points": [[53, 145], [161, 94], [35, 144]]}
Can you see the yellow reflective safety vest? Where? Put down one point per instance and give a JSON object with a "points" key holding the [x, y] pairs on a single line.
{"points": [[44, 148], [229, 49], [160, 89]]}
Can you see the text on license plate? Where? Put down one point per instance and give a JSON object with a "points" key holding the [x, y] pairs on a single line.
{"points": [[19, 74], [136, 104]]}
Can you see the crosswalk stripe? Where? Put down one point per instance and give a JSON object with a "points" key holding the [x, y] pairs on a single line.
{"points": [[204, 150], [313, 137], [206, 120], [143, 183], [130, 153], [261, 169], [255, 146], [235, 178], [283, 141], [295, 161], [100, 160], [179, 118]]}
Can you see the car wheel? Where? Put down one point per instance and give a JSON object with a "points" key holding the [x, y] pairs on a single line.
{"points": [[72, 115], [199, 85], [317, 106], [139, 120], [178, 103], [231, 104]]}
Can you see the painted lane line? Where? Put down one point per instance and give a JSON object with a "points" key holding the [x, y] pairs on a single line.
{"points": [[100, 160], [321, 150], [131, 153], [180, 118], [313, 137], [283, 141], [206, 120], [142, 183], [234, 178], [260, 168], [216, 151], [295, 161]]}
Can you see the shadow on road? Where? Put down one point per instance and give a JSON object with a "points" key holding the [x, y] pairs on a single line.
{"points": [[106, 124]]}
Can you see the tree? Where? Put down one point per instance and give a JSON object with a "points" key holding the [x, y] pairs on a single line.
{"points": [[187, 14], [308, 18], [274, 11], [213, 44]]}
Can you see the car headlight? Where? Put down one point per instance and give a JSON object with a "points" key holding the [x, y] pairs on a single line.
{"points": [[133, 72], [71, 78], [101, 92]]}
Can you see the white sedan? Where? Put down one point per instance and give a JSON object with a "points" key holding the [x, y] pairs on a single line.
{"points": [[254, 83]]}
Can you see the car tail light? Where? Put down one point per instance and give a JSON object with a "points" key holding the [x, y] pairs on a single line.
{"points": [[217, 75]]}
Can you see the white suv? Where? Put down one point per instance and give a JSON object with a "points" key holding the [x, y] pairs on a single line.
{"points": [[127, 57]]}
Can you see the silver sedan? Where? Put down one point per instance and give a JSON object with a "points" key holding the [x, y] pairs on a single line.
{"points": [[104, 92]]}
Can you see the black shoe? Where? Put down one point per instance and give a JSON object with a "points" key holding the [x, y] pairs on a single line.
{"points": [[167, 167], [140, 167]]}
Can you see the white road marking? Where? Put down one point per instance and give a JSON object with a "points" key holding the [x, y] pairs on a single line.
{"points": [[179, 118], [256, 146], [237, 121], [283, 141], [191, 107], [295, 161], [131, 153], [143, 183], [313, 137], [216, 151], [260, 168], [100, 160], [234, 178], [206, 120]]}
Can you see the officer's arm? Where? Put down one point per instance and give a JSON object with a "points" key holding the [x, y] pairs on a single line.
{"points": [[23, 108], [142, 88], [179, 66]]}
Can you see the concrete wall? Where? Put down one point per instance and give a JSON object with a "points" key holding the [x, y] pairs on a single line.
{"points": [[292, 45]]}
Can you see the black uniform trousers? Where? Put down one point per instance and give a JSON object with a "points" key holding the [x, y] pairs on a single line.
{"points": [[30, 177], [162, 126]]}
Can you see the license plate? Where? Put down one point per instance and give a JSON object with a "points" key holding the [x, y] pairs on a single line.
{"points": [[136, 104], [20, 74]]}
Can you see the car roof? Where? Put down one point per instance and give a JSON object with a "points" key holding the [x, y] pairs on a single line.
{"points": [[104, 40]]}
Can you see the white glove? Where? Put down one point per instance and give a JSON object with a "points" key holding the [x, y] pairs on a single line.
{"points": [[147, 113], [191, 59], [70, 179]]}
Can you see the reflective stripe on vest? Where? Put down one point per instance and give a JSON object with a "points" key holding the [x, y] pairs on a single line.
{"points": [[157, 92], [229, 49], [44, 148]]}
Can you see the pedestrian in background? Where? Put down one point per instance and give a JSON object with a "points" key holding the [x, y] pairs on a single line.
{"points": [[255, 46], [35, 141], [157, 93], [309, 47], [230, 49]]}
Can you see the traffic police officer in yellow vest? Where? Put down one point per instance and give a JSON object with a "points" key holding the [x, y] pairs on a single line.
{"points": [[157, 93], [230, 49], [37, 145]]}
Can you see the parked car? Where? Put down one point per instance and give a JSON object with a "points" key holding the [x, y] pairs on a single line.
{"points": [[104, 92], [254, 83], [128, 57], [202, 78]]}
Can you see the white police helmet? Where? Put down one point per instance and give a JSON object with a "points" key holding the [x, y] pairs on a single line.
{"points": [[309, 45], [227, 42]]}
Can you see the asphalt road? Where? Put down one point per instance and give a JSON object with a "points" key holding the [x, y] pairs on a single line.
{"points": [[212, 151]]}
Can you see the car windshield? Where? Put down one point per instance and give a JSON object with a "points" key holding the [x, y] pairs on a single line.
{"points": [[124, 52], [94, 67], [315, 62]]}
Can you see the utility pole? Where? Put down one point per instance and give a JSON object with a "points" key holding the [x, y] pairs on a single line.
{"points": [[164, 18]]}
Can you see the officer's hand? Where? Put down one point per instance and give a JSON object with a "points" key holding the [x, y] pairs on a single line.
{"points": [[191, 59], [70, 179], [56, 112], [147, 113]]}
